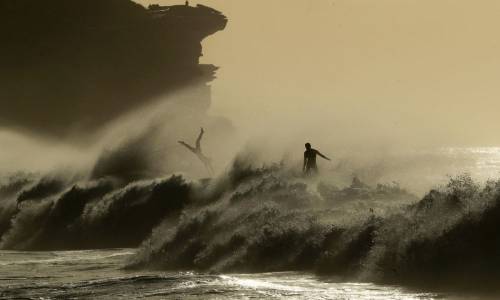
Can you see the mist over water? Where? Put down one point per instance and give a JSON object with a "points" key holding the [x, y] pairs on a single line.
{"points": [[257, 217], [403, 222], [400, 203], [133, 185]]}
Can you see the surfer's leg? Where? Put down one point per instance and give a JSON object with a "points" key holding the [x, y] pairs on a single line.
{"points": [[192, 149], [198, 140]]}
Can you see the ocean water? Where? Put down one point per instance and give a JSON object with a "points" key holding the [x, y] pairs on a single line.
{"points": [[423, 169], [99, 274], [289, 223]]}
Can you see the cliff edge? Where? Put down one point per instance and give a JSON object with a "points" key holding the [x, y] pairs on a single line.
{"points": [[69, 66]]}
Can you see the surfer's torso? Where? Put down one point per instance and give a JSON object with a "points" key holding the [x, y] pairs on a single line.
{"points": [[310, 157]]}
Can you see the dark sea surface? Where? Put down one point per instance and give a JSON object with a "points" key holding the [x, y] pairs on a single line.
{"points": [[99, 274]]}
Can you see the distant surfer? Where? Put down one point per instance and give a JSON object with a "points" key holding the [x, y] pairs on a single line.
{"points": [[310, 166], [197, 151]]}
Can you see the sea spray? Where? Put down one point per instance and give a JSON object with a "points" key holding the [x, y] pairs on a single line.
{"points": [[274, 221], [268, 218]]}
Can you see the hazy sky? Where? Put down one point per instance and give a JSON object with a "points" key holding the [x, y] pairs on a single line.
{"points": [[345, 75], [412, 72]]}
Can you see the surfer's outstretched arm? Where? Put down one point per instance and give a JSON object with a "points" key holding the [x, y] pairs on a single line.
{"points": [[319, 153], [198, 140], [187, 146]]}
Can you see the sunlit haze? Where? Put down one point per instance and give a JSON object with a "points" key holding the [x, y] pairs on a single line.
{"points": [[364, 73]]}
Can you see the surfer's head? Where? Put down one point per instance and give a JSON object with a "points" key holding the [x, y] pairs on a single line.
{"points": [[308, 146]]}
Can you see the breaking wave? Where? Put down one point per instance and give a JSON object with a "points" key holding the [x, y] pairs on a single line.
{"points": [[268, 219], [265, 219]]}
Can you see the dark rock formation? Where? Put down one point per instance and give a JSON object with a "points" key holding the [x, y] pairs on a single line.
{"points": [[70, 66]]}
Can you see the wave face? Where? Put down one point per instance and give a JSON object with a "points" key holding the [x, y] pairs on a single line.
{"points": [[100, 213], [266, 219]]}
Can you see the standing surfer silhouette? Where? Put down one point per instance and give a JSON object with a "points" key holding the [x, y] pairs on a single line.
{"points": [[310, 167], [197, 151]]}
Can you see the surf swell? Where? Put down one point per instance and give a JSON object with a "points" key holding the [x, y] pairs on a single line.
{"points": [[268, 220], [259, 219]]}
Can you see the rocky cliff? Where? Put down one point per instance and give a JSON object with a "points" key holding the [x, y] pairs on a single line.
{"points": [[72, 65]]}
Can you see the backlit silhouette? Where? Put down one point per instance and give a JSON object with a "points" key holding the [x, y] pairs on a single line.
{"points": [[197, 151], [310, 166]]}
